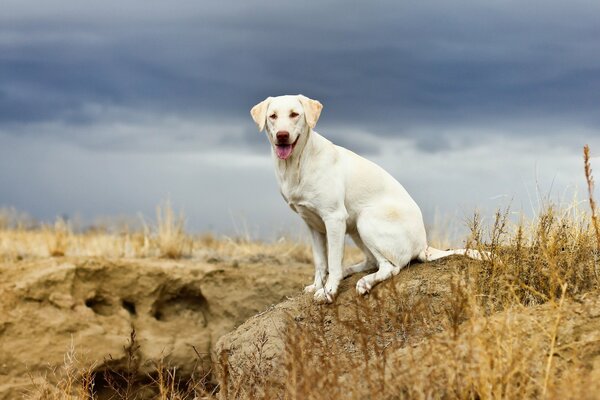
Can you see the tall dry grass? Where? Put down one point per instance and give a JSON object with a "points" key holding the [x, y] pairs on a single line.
{"points": [[590, 185], [170, 237], [165, 237], [78, 380]]}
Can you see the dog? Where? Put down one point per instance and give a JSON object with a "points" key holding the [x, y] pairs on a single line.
{"points": [[337, 192]]}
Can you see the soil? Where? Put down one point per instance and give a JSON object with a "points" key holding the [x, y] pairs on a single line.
{"points": [[425, 292], [186, 312], [417, 284], [178, 310]]}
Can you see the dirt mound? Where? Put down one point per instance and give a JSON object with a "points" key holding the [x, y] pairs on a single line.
{"points": [[178, 309], [258, 346], [413, 337]]}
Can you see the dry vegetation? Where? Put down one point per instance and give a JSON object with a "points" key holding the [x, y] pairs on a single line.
{"points": [[504, 331], [23, 239]]}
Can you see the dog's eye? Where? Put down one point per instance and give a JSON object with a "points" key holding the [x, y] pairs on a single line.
{"points": [[273, 116], [293, 114]]}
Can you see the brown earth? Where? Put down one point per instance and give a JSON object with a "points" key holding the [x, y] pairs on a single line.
{"points": [[178, 309], [186, 311], [265, 348], [419, 285]]}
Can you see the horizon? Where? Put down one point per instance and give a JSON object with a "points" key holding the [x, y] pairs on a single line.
{"points": [[108, 109]]}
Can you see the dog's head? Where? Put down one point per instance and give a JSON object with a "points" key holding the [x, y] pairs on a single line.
{"points": [[286, 119]]}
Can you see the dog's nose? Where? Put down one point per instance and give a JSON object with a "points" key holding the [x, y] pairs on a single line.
{"points": [[282, 136]]}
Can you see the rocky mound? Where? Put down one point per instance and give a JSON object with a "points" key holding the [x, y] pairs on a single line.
{"points": [[178, 310], [258, 347], [415, 336]]}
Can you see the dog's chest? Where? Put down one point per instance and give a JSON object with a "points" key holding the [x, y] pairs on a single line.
{"points": [[309, 215], [300, 201]]}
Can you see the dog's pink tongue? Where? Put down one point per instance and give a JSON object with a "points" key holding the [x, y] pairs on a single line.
{"points": [[283, 151]]}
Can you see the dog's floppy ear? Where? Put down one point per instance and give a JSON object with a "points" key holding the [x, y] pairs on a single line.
{"points": [[259, 113], [312, 110]]}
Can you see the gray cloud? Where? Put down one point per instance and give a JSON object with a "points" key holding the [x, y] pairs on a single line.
{"points": [[147, 99], [376, 65], [227, 191]]}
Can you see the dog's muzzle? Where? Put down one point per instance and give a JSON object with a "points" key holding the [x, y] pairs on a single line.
{"points": [[284, 150]]}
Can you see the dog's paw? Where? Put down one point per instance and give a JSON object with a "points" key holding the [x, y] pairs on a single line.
{"points": [[363, 287], [310, 289], [323, 297]]}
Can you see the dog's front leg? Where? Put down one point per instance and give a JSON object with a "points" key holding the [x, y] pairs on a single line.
{"points": [[336, 232], [319, 250]]}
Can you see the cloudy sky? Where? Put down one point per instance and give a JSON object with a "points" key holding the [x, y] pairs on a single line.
{"points": [[107, 108]]}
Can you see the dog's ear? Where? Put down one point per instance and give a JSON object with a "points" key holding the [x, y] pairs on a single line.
{"points": [[259, 113], [312, 110]]}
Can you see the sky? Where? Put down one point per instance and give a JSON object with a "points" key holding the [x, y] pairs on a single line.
{"points": [[108, 108]]}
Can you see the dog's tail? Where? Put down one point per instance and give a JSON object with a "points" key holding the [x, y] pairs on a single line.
{"points": [[431, 254]]}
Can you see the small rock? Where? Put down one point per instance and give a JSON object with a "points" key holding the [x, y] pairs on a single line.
{"points": [[62, 300]]}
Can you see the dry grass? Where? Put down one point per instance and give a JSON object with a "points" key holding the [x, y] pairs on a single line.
{"points": [[170, 238], [590, 185], [58, 238], [71, 380], [77, 380], [21, 238]]}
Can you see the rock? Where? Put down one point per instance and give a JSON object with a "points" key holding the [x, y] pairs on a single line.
{"points": [[265, 337], [178, 310]]}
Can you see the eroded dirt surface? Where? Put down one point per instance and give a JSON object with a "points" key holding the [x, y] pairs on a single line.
{"points": [[423, 289], [185, 311], [179, 309], [423, 300]]}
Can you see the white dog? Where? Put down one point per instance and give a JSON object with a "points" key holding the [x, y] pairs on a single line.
{"points": [[337, 192]]}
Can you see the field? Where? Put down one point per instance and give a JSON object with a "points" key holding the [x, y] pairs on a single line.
{"points": [[158, 313]]}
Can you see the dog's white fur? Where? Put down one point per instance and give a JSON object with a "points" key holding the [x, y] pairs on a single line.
{"points": [[337, 192]]}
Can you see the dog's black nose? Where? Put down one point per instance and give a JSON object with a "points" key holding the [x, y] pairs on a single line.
{"points": [[282, 136]]}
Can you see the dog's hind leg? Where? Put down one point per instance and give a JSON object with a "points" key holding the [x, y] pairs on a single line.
{"points": [[367, 264], [389, 244], [386, 271]]}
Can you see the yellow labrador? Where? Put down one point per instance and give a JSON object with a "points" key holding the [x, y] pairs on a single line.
{"points": [[337, 192]]}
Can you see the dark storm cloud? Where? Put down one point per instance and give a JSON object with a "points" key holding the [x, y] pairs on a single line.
{"points": [[387, 67], [108, 107]]}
